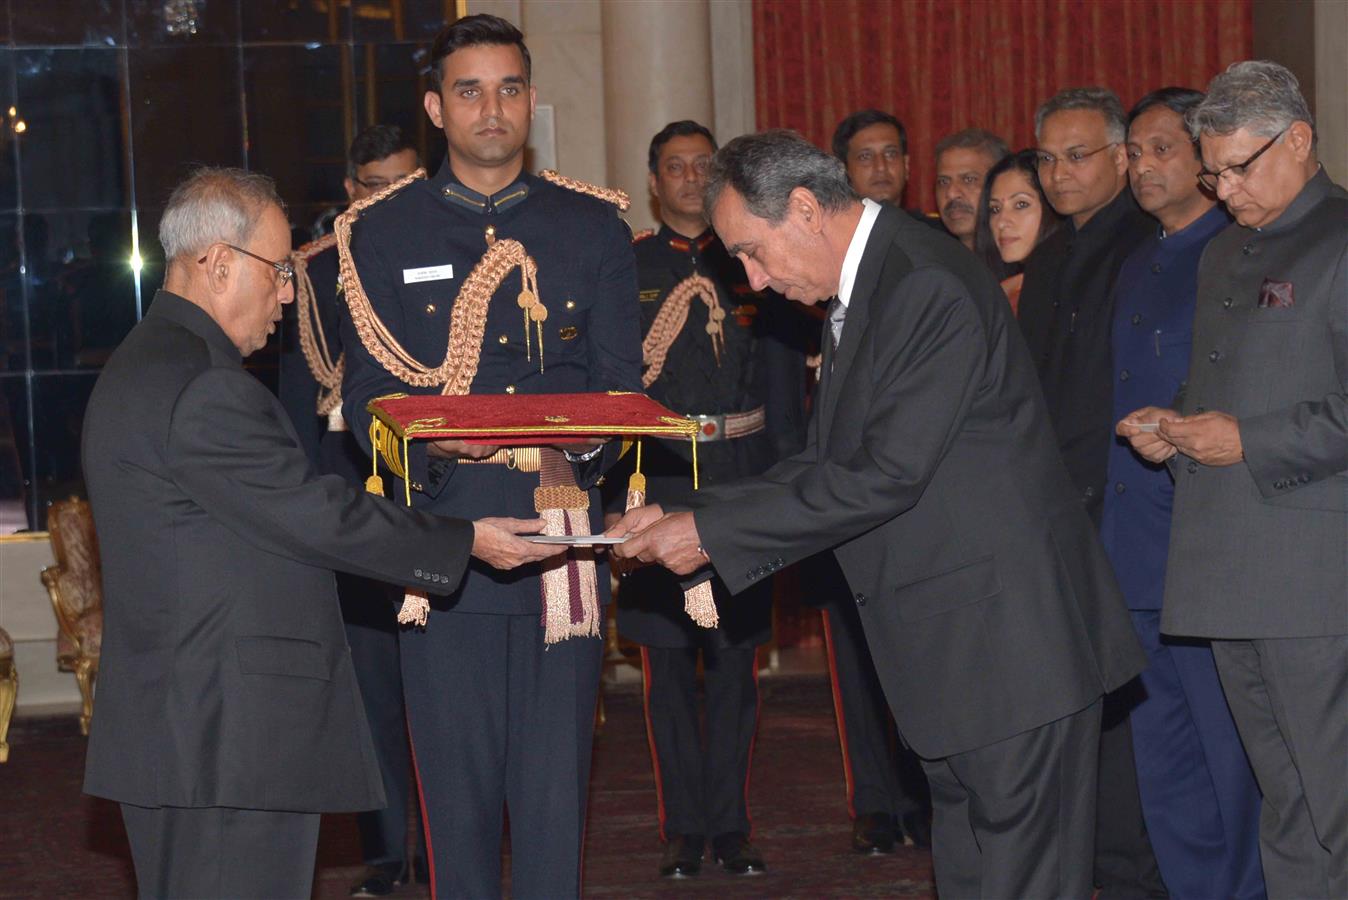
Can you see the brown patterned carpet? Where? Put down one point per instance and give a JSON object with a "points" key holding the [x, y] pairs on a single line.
{"points": [[55, 842]]}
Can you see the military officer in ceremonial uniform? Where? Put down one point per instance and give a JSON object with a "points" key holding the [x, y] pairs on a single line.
{"points": [[498, 719], [310, 381], [737, 365]]}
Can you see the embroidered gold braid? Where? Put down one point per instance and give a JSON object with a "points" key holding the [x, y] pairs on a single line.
{"points": [[468, 319], [608, 195], [313, 342], [669, 321]]}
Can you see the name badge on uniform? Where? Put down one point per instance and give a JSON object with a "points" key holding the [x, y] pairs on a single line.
{"points": [[427, 273]]}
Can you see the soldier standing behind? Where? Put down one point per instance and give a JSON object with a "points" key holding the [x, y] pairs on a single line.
{"points": [[725, 355], [310, 382], [500, 709]]}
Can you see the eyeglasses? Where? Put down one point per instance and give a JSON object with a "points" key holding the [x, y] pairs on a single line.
{"points": [[374, 184], [1239, 170], [285, 269], [1074, 157]]}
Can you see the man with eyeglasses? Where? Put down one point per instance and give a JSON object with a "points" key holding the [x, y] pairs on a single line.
{"points": [[228, 718], [1258, 447], [1199, 797], [379, 156], [1066, 308]]}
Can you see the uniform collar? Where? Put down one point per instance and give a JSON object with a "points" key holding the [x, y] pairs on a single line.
{"points": [[1196, 232], [456, 192], [1315, 190], [682, 244], [184, 312]]}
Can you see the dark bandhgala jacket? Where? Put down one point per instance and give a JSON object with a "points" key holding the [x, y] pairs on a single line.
{"points": [[932, 471], [225, 676], [1259, 549]]}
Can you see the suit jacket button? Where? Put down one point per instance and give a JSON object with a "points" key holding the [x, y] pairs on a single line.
{"points": [[1156, 268], [1226, 304], [418, 573], [1279, 485], [1119, 487], [1214, 356], [1137, 319], [861, 599], [1192, 467]]}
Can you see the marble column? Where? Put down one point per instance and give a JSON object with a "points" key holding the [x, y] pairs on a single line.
{"points": [[657, 69]]}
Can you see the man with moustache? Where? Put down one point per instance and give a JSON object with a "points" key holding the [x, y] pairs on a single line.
{"points": [[228, 716], [1066, 310], [932, 474], [1199, 798], [886, 793], [1258, 447], [309, 382], [499, 718], [962, 163], [737, 366]]}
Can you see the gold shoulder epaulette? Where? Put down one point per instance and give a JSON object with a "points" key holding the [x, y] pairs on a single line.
{"points": [[639, 236], [608, 195], [308, 251], [353, 211]]}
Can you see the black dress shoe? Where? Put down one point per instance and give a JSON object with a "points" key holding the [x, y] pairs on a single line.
{"points": [[916, 829], [683, 856], [379, 881], [874, 833], [736, 855]]}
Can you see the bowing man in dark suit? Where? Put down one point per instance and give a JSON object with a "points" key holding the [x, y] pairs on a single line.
{"points": [[932, 473], [228, 714]]}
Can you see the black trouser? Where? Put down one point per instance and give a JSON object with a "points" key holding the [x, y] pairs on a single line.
{"points": [[499, 720], [372, 633], [216, 851], [882, 775], [1016, 818], [702, 773], [1125, 866]]}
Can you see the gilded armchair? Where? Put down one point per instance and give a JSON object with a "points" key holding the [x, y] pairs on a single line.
{"points": [[9, 687], [75, 585]]}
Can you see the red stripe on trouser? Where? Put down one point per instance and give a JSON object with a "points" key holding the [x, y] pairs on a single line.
{"points": [[749, 769], [650, 739], [838, 713], [421, 799]]}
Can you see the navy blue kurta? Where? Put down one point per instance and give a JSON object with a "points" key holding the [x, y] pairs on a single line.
{"points": [[1152, 332]]}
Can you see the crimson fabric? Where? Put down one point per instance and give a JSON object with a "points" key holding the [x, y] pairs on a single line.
{"points": [[943, 65], [522, 419]]}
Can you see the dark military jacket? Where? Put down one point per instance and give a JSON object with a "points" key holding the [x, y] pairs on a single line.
{"points": [[761, 364], [412, 252], [332, 452]]}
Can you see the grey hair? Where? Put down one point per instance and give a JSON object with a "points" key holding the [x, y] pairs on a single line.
{"points": [[213, 205], [764, 168], [974, 139], [1257, 95], [1102, 100]]}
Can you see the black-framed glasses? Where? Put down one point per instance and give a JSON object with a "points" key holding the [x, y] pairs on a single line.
{"points": [[285, 268], [1046, 160], [1238, 172], [374, 184]]}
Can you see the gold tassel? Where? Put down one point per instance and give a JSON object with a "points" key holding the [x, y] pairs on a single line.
{"points": [[415, 610], [700, 604]]}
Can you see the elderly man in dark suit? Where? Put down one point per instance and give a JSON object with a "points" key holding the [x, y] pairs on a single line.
{"points": [[933, 475], [228, 714], [1258, 446]]}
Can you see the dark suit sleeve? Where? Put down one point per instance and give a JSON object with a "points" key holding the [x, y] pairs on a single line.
{"points": [[614, 335], [1308, 441], [930, 351], [230, 452]]}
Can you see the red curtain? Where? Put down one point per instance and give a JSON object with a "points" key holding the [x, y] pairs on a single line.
{"points": [[943, 65]]}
